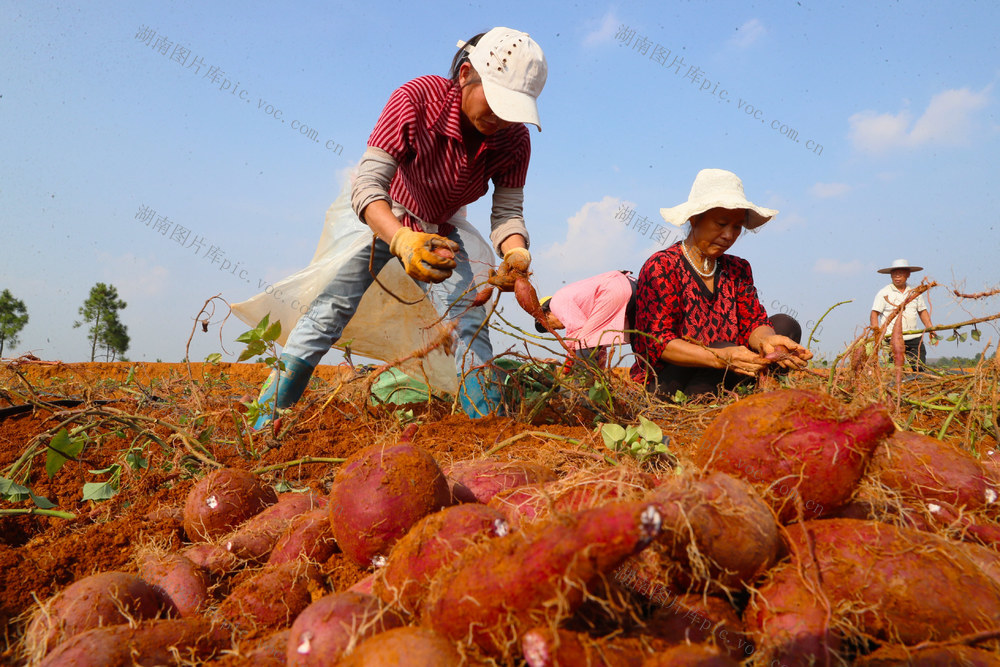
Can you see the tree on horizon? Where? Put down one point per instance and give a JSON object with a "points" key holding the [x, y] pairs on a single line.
{"points": [[13, 318], [100, 310]]}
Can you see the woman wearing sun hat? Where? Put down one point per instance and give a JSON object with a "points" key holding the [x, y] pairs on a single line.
{"points": [[889, 298], [699, 321], [435, 148]]}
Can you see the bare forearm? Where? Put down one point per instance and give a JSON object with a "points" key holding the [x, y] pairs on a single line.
{"points": [[378, 215], [682, 353], [513, 241], [925, 318], [757, 337], [874, 319]]}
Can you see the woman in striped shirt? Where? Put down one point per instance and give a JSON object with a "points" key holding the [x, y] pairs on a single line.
{"points": [[434, 149]]}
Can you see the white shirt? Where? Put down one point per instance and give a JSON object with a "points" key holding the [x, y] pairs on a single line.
{"points": [[886, 301]]}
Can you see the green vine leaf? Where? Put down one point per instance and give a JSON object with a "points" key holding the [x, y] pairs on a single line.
{"points": [[60, 445]]}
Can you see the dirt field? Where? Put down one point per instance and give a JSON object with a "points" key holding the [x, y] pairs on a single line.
{"points": [[164, 430]]}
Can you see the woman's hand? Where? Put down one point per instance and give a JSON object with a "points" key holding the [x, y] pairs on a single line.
{"points": [[784, 352], [740, 359]]}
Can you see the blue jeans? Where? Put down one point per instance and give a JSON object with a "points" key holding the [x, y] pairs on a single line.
{"points": [[330, 312]]}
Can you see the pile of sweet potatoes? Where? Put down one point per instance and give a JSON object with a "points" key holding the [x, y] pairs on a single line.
{"points": [[743, 553]]}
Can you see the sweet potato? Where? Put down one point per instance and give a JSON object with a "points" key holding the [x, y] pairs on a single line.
{"points": [[222, 500], [478, 481], [182, 584], [700, 619], [498, 589], [253, 540], [211, 557], [721, 521], [364, 585], [924, 468], [270, 652], [107, 598], [333, 624], [557, 647], [935, 656], [159, 642], [521, 505], [690, 655], [431, 544], [897, 583], [309, 535], [410, 645], [272, 598], [789, 619], [379, 493], [801, 449]]}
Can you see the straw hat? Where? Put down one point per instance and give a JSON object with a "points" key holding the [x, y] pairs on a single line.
{"points": [[900, 264], [717, 188], [513, 71]]}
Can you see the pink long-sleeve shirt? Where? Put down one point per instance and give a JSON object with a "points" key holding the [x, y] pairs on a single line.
{"points": [[593, 310]]}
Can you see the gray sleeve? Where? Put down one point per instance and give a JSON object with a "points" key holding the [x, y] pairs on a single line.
{"points": [[372, 183], [507, 218]]}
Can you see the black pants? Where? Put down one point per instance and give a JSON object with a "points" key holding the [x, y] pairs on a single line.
{"points": [[697, 380], [914, 351]]}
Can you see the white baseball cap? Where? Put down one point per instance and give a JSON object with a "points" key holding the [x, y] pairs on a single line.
{"points": [[513, 71]]}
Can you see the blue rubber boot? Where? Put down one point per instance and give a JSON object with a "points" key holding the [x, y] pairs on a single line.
{"points": [[479, 396], [286, 391]]}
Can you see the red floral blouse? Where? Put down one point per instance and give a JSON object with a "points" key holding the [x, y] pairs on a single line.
{"points": [[672, 302]]}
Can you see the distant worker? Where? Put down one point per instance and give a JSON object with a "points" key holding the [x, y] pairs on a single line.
{"points": [[893, 294], [594, 312]]}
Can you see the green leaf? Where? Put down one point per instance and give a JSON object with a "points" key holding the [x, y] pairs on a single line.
{"points": [[282, 487], [680, 397], [112, 468], [649, 430], [213, 358], [41, 502], [951, 337], [136, 460], [272, 332], [61, 441], [98, 491], [962, 337], [12, 492], [975, 333], [613, 434]]}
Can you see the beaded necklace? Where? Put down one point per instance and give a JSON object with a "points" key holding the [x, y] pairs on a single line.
{"points": [[694, 266]]}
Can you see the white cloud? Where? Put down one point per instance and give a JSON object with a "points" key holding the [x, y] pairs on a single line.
{"points": [[597, 241], [748, 34], [605, 30], [134, 277], [837, 267], [949, 120], [827, 190]]}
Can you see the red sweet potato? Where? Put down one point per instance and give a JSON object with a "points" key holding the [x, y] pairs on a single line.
{"points": [[721, 521], [182, 584], [309, 536], [364, 585], [498, 589], [107, 598], [158, 642], [432, 543], [801, 449], [555, 647], [330, 626], [379, 493], [897, 583], [268, 653], [273, 597], [222, 500], [211, 557], [478, 481], [690, 655], [789, 619], [924, 468], [935, 656], [253, 540], [700, 619], [521, 505], [410, 645]]}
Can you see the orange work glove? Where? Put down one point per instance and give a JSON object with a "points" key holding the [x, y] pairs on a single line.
{"points": [[426, 257]]}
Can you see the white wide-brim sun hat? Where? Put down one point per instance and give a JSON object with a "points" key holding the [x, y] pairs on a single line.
{"points": [[513, 71], [717, 188], [900, 264]]}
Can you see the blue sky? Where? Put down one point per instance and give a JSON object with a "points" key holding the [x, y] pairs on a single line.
{"points": [[871, 126]]}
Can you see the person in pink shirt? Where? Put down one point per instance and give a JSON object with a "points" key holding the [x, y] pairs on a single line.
{"points": [[594, 313]]}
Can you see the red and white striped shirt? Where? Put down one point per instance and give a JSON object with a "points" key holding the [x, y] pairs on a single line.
{"points": [[420, 127]]}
